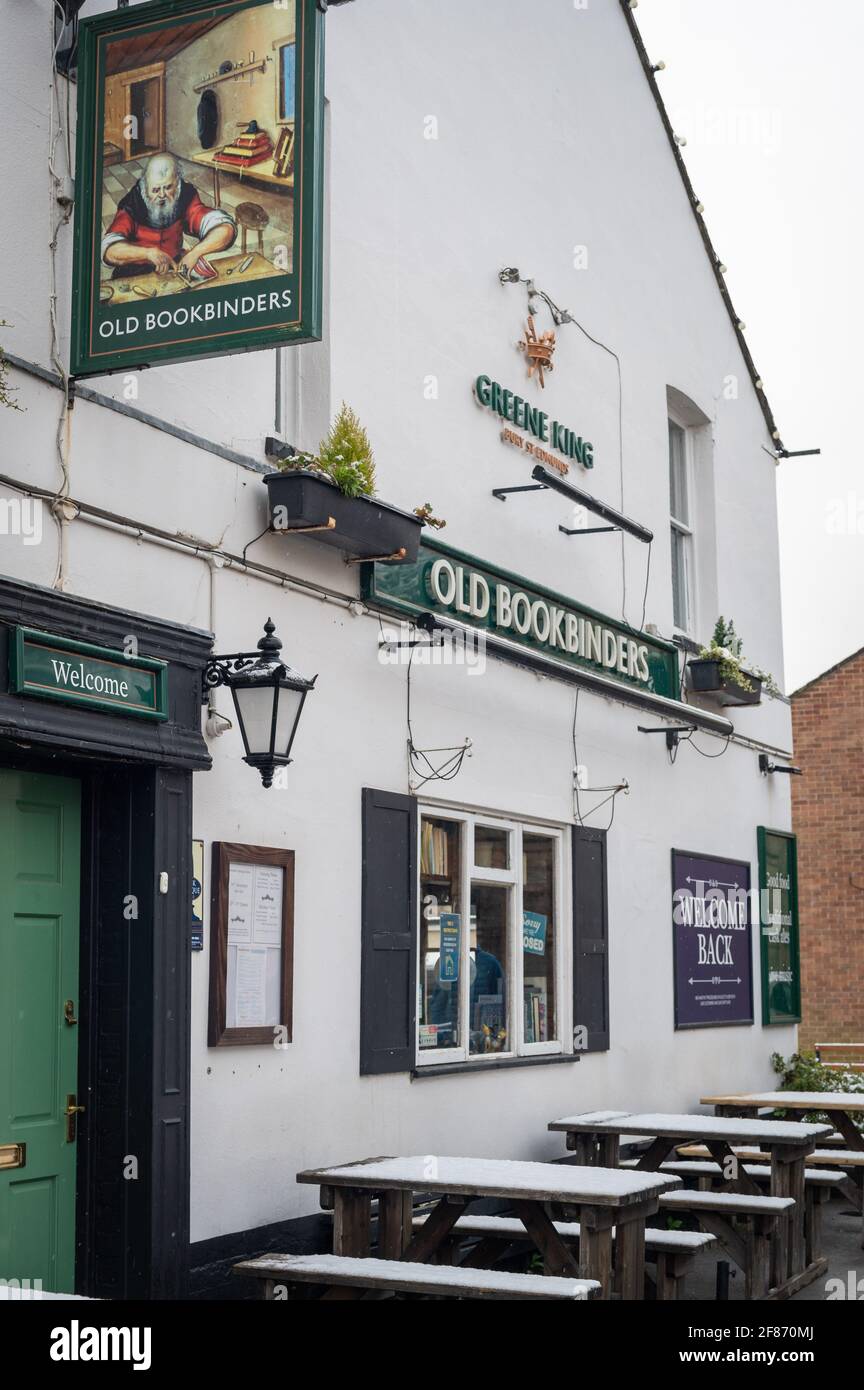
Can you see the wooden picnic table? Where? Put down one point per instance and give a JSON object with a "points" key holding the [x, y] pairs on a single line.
{"points": [[600, 1198], [839, 1106], [787, 1142]]}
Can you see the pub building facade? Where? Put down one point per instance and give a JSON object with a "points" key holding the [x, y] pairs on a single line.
{"points": [[457, 914]]}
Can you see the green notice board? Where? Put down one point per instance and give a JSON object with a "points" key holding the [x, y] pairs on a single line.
{"points": [[778, 931]]}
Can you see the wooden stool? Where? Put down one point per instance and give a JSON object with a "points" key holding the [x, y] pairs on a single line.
{"points": [[252, 217]]}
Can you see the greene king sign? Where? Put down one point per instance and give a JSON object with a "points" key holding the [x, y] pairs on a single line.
{"points": [[199, 181], [497, 602]]}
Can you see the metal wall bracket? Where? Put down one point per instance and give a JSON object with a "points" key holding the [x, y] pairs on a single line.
{"points": [[502, 492], [376, 559]]}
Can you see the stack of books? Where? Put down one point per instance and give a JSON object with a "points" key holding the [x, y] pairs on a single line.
{"points": [[433, 851], [247, 149]]}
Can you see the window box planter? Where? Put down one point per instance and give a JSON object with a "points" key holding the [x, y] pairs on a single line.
{"points": [[363, 527], [706, 679]]}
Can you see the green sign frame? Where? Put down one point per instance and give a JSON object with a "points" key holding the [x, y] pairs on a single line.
{"points": [[778, 858], [227, 316], [412, 590], [130, 685]]}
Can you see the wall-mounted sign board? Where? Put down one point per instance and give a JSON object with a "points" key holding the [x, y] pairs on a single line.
{"points": [[251, 946], [199, 181], [711, 915], [778, 934], [501, 604], [77, 673]]}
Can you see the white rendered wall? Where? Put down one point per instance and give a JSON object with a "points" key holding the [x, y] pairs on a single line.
{"points": [[548, 139]]}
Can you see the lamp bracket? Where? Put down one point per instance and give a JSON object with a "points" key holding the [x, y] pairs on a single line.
{"points": [[673, 733], [766, 767], [586, 530], [502, 492]]}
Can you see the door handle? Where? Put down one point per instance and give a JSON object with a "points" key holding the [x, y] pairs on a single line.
{"points": [[69, 1013], [72, 1109], [13, 1155]]}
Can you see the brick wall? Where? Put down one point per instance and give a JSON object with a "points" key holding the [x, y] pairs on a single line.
{"points": [[828, 818]]}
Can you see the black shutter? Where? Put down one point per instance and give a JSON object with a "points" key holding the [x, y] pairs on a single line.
{"points": [[590, 937], [388, 966]]}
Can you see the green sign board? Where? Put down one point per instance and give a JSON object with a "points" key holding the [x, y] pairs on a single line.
{"points": [[56, 668], [778, 933], [501, 604], [199, 186]]}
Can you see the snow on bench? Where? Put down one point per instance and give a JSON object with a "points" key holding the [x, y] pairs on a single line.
{"points": [[510, 1227], [736, 1203], [397, 1276], [695, 1168]]}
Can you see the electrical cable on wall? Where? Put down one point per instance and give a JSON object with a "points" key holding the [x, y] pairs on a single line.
{"points": [[614, 791], [420, 762], [60, 194], [559, 318]]}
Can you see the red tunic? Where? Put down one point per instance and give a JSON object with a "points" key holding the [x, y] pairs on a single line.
{"points": [[131, 223]]}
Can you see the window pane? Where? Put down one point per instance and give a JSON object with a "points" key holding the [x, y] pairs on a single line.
{"points": [[440, 933], [538, 939], [490, 905], [491, 847], [680, 581], [678, 474]]}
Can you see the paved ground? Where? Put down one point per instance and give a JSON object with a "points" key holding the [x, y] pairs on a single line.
{"points": [[841, 1244]]}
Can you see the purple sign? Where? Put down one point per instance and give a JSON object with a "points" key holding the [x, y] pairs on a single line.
{"points": [[711, 915]]}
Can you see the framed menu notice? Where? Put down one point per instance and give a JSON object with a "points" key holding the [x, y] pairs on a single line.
{"points": [[251, 945]]}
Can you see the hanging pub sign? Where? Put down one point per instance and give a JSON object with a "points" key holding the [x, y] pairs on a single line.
{"points": [[778, 934], [500, 604], [199, 185], [711, 914]]}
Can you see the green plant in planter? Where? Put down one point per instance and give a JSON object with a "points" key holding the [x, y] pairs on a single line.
{"points": [[345, 457], [725, 648]]}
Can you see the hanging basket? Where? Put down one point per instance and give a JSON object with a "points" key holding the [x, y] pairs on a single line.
{"points": [[301, 500], [706, 678]]}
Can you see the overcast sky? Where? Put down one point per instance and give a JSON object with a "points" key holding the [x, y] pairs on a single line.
{"points": [[768, 95]]}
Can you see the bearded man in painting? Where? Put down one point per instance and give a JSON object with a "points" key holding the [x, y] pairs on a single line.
{"points": [[151, 220]]}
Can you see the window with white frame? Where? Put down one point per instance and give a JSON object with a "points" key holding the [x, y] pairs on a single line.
{"points": [[681, 519], [491, 949]]}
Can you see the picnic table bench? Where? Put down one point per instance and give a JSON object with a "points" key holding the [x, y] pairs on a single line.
{"points": [[602, 1200], [344, 1277], [787, 1142], [671, 1252]]}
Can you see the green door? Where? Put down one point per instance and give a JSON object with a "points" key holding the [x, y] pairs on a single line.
{"points": [[40, 866]]}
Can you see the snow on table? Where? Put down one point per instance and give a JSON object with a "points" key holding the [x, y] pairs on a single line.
{"points": [[793, 1100], [695, 1127], [498, 1177]]}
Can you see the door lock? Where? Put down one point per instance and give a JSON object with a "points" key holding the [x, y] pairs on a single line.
{"points": [[69, 1012], [72, 1109]]}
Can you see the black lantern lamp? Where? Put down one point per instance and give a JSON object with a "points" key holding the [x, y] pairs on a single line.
{"points": [[268, 697]]}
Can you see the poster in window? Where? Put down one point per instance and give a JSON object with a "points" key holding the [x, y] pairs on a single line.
{"points": [[778, 930], [711, 915], [199, 184]]}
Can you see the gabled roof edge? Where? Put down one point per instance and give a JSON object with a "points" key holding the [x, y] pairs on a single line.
{"points": [[832, 670], [700, 222]]}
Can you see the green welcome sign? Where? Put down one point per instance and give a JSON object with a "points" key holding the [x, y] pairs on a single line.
{"points": [[199, 186], [504, 605], [56, 668], [778, 913]]}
